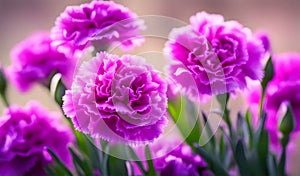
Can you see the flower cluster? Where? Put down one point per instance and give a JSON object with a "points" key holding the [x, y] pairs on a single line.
{"points": [[24, 136], [118, 99], [121, 104]]}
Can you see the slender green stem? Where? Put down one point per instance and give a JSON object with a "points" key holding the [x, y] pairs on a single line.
{"points": [[282, 163], [262, 99], [4, 98], [223, 100], [228, 121], [105, 160]]}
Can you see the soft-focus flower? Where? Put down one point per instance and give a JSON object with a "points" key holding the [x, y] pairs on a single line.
{"points": [[180, 161], [252, 96], [213, 56], [118, 99], [100, 23], [282, 90], [170, 157], [34, 60], [24, 136]]}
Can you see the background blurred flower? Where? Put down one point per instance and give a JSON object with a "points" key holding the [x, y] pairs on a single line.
{"points": [[171, 156], [217, 54], [34, 60], [180, 161], [100, 23], [118, 99], [24, 134], [282, 90]]}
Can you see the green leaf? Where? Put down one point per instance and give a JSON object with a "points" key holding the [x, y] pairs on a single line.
{"points": [[63, 167], [263, 150], [136, 160], [151, 169], [117, 166], [269, 73], [3, 87], [209, 132], [194, 123], [54, 169], [50, 170], [259, 131], [185, 116], [59, 92], [3, 82], [241, 159], [250, 129], [287, 124], [81, 165], [272, 170], [81, 142], [223, 99], [94, 153], [88, 148], [224, 153], [215, 165], [282, 161], [104, 156], [241, 126]]}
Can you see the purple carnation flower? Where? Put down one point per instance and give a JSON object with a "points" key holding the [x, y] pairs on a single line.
{"points": [[100, 23], [118, 99], [34, 60], [172, 157], [212, 56], [180, 161], [24, 136]]}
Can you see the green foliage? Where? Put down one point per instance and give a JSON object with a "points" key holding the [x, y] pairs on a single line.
{"points": [[151, 170], [269, 73], [3, 87], [61, 168], [185, 115]]}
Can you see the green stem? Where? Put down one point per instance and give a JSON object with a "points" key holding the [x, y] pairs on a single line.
{"points": [[263, 94], [282, 162], [228, 121], [4, 98], [223, 100], [104, 161]]}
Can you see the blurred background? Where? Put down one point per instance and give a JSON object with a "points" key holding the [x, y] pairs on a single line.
{"points": [[20, 18]]}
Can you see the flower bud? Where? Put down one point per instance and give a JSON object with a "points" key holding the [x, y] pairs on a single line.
{"points": [[287, 124]]}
